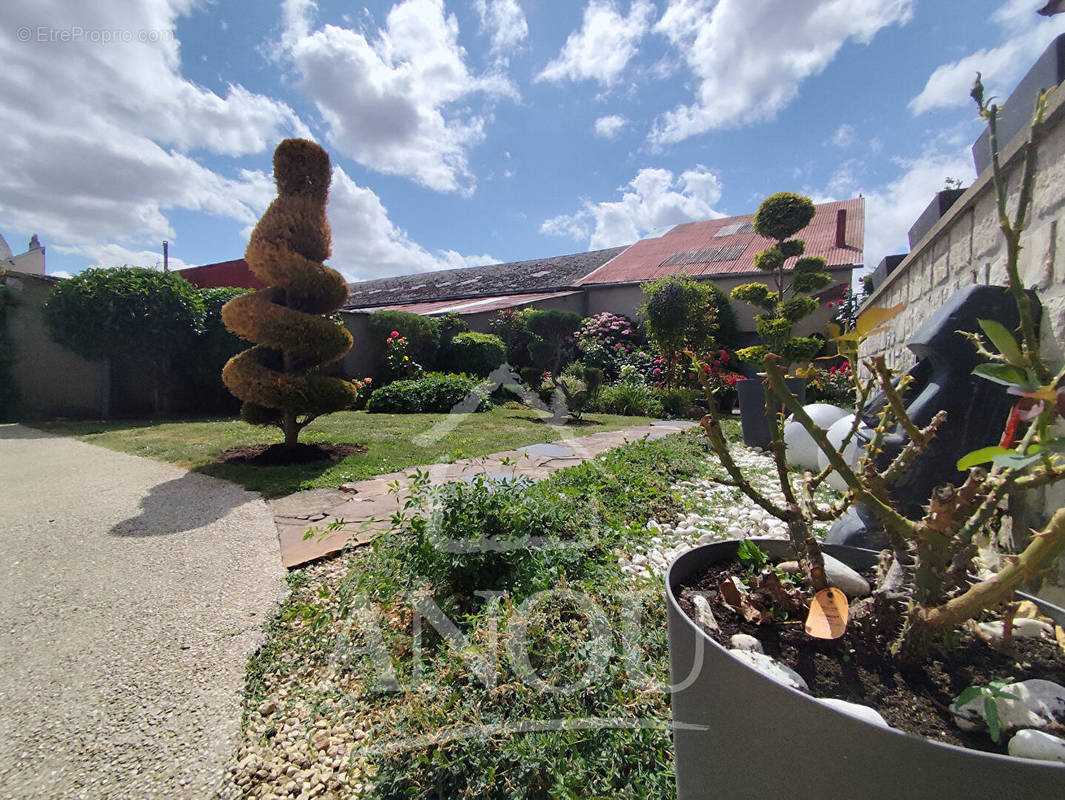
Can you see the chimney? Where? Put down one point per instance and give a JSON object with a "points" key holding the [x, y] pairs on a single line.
{"points": [[841, 228]]}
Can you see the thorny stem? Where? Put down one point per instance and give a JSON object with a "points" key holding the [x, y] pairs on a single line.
{"points": [[898, 528], [712, 426], [1011, 231], [1038, 557]]}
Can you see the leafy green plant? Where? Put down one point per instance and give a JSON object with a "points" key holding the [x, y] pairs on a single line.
{"points": [[751, 556], [421, 333], [990, 693], [476, 353], [780, 217], [633, 398], [431, 393], [554, 329], [684, 315], [579, 386]]}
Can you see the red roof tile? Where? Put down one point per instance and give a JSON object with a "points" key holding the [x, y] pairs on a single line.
{"points": [[224, 273], [709, 254]]}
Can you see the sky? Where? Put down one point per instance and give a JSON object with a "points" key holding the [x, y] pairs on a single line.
{"points": [[467, 132]]}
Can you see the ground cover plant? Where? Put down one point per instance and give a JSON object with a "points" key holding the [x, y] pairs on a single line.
{"points": [[547, 682], [389, 439]]}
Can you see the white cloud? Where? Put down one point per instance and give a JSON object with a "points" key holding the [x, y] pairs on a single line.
{"points": [[750, 56], [844, 135], [504, 23], [891, 208], [397, 103], [609, 127], [114, 255], [366, 244], [1026, 34], [603, 46], [99, 136], [654, 200]]}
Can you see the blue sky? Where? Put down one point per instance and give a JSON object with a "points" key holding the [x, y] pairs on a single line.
{"points": [[478, 131]]}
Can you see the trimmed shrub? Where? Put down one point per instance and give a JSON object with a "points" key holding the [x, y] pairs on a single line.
{"points": [[432, 393], [509, 325], [476, 353], [291, 322], [145, 315], [199, 369], [555, 329]]}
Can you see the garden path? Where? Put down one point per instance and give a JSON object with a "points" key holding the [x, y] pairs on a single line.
{"points": [[365, 508], [133, 594]]}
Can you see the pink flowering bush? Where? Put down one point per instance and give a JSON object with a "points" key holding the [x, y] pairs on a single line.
{"points": [[605, 341]]}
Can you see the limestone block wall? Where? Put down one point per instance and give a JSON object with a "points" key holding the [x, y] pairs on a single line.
{"points": [[966, 247]]}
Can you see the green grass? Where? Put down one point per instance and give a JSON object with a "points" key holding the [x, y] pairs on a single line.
{"points": [[391, 441]]}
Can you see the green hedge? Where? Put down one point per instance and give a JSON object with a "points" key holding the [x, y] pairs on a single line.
{"points": [[433, 393], [476, 353]]}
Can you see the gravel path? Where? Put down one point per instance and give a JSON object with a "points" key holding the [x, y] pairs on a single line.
{"points": [[133, 593]]}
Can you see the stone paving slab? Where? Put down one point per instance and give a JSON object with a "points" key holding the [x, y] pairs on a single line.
{"points": [[365, 507]]}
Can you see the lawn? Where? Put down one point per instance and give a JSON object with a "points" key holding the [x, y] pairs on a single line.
{"points": [[393, 442]]}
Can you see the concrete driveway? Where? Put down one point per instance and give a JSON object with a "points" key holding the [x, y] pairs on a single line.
{"points": [[132, 595]]}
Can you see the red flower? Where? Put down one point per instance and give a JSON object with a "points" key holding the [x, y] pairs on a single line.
{"points": [[395, 334]]}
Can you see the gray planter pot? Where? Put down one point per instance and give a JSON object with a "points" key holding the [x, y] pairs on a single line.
{"points": [[738, 734], [753, 405]]}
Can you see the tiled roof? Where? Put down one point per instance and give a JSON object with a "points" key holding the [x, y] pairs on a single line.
{"points": [[727, 246], [224, 273], [495, 280], [468, 305]]}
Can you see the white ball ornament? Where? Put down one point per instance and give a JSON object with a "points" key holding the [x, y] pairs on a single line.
{"points": [[836, 434], [802, 451]]}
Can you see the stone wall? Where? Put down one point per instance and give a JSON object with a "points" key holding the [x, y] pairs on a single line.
{"points": [[51, 381], [966, 247]]}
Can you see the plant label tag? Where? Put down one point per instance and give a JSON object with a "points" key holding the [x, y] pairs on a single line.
{"points": [[829, 611]]}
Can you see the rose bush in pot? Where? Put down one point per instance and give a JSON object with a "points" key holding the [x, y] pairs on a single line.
{"points": [[923, 606]]}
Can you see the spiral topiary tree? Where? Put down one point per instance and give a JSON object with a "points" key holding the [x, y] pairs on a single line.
{"points": [[278, 379]]}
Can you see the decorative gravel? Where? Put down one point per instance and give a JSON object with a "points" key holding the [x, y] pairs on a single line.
{"points": [[717, 513]]}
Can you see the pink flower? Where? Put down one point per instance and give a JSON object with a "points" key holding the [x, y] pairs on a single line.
{"points": [[395, 334], [656, 371]]}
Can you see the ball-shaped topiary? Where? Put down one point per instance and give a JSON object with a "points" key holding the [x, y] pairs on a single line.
{"points": [[782, 215], [288, 321]]}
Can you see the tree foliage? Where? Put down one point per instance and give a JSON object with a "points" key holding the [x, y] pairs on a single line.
{"points": [[101, 313], [780, 217], [139, 313], [685, 314], [278, 379]]}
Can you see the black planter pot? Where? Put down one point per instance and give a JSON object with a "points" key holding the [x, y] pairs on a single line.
{"points": [[738, 734], [752, 394]]}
